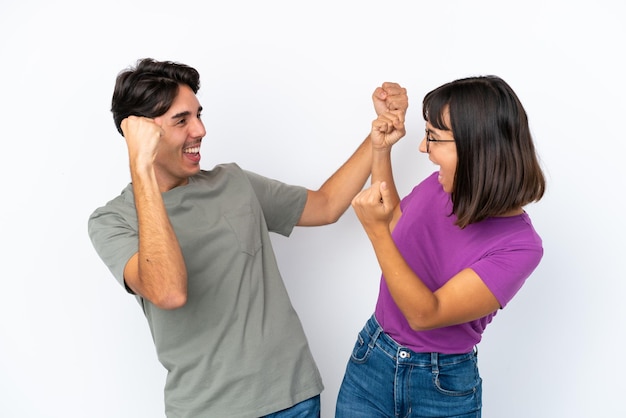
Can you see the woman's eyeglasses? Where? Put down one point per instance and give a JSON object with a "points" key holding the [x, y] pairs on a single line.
{"points": [[429, 139]]}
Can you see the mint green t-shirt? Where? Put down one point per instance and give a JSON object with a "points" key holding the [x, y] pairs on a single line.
{"points": [[237, 347]]}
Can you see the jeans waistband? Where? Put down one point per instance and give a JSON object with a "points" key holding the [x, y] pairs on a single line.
{"points": [[405, 355]]}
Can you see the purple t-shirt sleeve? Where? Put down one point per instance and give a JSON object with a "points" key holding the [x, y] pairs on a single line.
{"points": [[505, 270]]}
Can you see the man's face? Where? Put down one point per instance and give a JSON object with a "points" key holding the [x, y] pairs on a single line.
{"points": [[178, 153]]}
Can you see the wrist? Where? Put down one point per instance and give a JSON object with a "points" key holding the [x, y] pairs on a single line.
{"points": [[381, 153]]}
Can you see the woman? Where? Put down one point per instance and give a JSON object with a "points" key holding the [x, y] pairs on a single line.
{"points": [[452, 253]]}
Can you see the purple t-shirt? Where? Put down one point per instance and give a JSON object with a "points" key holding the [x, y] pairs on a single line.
{"points": [[503, 251]]}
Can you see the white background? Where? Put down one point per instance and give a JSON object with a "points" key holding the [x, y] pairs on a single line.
{"points": [[286, 88]]}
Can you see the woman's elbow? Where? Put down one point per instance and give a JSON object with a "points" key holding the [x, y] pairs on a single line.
{"points": [[423, 321], [421, 326]]}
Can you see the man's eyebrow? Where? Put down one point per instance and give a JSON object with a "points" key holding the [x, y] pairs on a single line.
{"points": [[181, 115], [184, 113]]}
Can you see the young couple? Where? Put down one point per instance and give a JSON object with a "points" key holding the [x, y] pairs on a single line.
{"points": [[193, 247]]}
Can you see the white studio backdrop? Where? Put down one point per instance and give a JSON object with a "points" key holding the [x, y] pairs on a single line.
{"points": [[286, 90]]}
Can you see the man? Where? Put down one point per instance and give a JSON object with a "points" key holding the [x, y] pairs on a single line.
{"points": [[193, 246]]}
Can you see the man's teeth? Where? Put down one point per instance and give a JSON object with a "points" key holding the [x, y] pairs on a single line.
{"points": [[193, 150]]}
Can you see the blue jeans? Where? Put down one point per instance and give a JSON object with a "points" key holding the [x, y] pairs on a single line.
{"points": [[305, 409], [384, 379]]}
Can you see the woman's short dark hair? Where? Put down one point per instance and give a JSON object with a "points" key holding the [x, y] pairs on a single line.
{"points": [[149, 88], [497, 168]]}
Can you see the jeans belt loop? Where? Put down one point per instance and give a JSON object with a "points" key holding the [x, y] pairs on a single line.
{"points": [[434, 362], [379, 329]]}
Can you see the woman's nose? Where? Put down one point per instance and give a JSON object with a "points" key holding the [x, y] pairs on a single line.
{"points": [[422, 146]]}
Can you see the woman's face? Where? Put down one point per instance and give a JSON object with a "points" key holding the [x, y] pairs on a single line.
{"points": [[441, 149]]}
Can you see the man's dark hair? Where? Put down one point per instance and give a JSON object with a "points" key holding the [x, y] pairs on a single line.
{"points": [[149, 88]]}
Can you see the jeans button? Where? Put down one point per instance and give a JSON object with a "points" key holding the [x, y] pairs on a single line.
{"points": [[404, 354]]}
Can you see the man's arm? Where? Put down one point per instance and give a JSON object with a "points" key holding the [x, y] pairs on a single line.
{"points": [[330, 201], [327, 204], [157, 271]]}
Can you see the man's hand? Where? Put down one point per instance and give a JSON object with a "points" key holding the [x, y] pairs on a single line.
{"points": [[142, 138], [390, 97]]}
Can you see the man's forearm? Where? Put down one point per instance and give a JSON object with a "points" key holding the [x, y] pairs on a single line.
{"points": [[330, 201], [161, 275]]}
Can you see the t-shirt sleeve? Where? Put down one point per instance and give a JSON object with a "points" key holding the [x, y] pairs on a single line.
{"points": [[282, 204], [505, 270], [114, 240]]}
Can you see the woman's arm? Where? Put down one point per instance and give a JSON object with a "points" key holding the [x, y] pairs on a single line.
{"points": [[465, 297]]}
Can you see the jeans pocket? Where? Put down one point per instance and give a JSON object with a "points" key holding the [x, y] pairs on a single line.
{"points": [[458, 379], [362, 348]]}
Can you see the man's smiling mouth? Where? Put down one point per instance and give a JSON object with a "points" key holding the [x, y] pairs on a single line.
{"points": [[192, 150]]}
